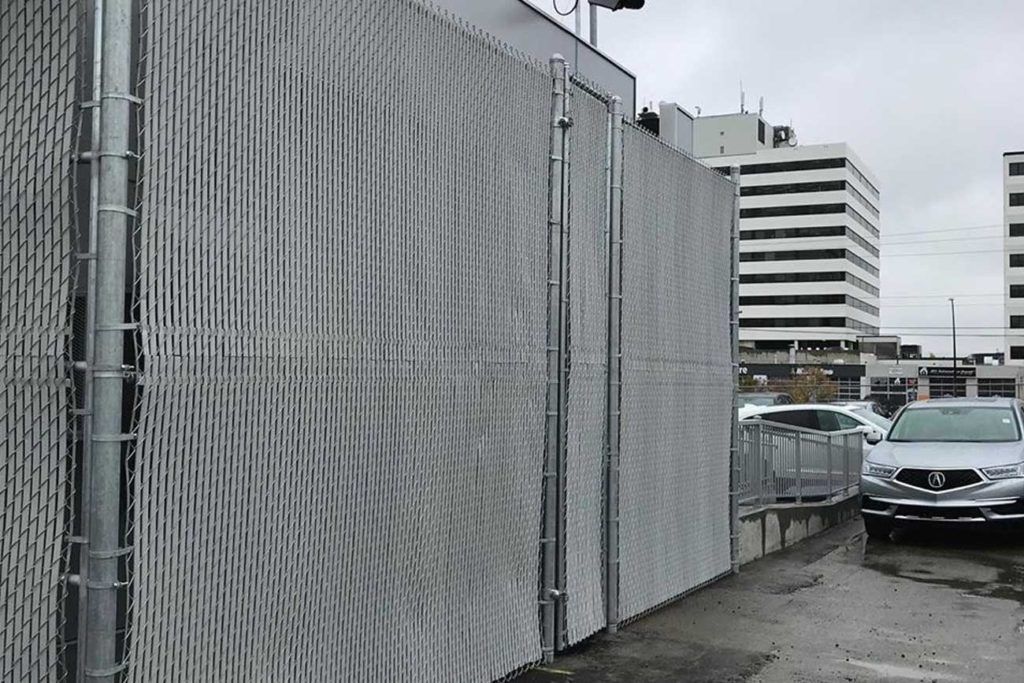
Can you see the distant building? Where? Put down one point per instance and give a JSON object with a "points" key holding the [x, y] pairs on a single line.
{"points": [[1013, 259], [809, 231]]}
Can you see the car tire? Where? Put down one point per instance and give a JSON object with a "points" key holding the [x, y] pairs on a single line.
{"points": [[877, 529]]}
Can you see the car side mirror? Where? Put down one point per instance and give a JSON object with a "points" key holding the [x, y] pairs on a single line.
{"points": [[871, 436]]}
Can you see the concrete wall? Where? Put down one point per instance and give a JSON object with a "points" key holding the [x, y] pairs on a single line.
{"points": [[770, 529], [527, 28]]}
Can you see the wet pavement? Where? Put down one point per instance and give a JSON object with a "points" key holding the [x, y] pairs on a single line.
{"points": [[934, 605]]}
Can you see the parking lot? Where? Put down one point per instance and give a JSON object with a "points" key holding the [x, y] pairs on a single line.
{"points": [[938, 605]]}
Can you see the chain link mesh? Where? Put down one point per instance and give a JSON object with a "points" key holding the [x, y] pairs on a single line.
{"points": [[342, 304], [38, 53], [676, 374], [588, 364]]}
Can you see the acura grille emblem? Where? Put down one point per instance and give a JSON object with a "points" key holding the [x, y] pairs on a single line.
{"points": [[936, 480]]}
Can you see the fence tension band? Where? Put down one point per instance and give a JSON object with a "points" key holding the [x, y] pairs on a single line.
{"points": [[108, 554], [106, 673]]}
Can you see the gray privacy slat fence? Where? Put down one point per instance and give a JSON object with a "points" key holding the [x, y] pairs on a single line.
{"points": [[336, 443], [38, 52], [345, 310], [588, 363], [676, 374]]}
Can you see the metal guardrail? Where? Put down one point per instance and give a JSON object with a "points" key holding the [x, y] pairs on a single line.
{"points": [[784, 464]]}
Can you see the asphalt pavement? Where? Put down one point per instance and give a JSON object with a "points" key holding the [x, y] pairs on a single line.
{"points": [[934, 605]]}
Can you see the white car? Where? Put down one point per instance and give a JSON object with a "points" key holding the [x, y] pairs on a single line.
{"points": [[824, 418]]}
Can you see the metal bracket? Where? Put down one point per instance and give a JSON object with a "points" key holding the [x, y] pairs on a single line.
{"points": [[118, 209], [106, 673], [109, 554], [121, 96], [112, 586], [122, 327], [113, 438]]}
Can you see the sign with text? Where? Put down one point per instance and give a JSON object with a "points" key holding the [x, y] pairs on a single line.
{"points": [[947, 373]]}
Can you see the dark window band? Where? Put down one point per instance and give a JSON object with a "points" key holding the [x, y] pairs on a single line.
{"points": [[828, 276], [808, 255], [809, 300]]}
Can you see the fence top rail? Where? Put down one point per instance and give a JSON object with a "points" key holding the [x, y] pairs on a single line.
{"points": [[750, 422]]}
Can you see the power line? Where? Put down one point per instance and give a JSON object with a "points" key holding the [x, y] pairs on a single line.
{"points": [[960, 229], [948, 253], [946, 239]]}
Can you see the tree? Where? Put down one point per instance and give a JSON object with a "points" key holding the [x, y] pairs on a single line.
{"points": [[812, 386]]}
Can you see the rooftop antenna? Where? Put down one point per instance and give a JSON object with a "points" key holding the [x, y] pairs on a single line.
{"points": [[760, 107], [743, 100]]}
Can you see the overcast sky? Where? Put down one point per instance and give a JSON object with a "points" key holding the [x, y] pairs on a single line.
{"points": [[929, 93]]}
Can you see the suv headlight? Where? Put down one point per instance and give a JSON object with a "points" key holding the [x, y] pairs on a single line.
{"points": [[874, 470], [1004, 471]]}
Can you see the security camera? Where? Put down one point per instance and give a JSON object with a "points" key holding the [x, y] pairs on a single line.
{"points": [[615, 5]]}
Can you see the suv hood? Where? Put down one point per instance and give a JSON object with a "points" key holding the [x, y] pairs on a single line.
{"points": [[949, 455]]}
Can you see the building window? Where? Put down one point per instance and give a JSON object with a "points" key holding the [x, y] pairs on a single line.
{"points": [[1017, 260], [792, 188], [807, 323], [789, 233], [787, 166], [804, 210], [1016, 229], [1017, 322], [1017, 291], [780, 278], [996, 388], [1017, 168], [1017, 353], [1017, 199], [760, 131], [721, 149], [808, 300]]}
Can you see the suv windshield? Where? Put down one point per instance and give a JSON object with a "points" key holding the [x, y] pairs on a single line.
{"points": [[872, 416], [956, 423], [757, 399]]}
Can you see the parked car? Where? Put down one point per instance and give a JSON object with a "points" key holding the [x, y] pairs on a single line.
{"points": [[765, 398], [866, 405], [947, 460], [824, 418]]}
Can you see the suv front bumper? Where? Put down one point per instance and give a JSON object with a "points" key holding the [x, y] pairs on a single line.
{"points": [[986, 501]]}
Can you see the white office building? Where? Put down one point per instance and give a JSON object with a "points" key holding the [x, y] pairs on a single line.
{"points": [[809, 231], [1013, 258]]}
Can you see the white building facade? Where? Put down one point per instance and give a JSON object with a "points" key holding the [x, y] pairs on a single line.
{"points": [[810, 224], [1013, 257]]}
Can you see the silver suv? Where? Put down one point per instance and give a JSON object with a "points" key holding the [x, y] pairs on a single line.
{"points": [[948, 460]]}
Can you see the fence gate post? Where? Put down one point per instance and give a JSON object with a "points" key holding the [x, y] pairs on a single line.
{"points": [[734, 330], [614, 393], [550, 594], [105, 318]]}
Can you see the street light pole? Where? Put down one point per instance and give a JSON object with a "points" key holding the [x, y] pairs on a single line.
{"points": [[952, 313]]}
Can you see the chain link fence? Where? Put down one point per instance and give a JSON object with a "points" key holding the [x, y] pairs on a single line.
{"points": [[676, 374], [386, 277], [38, 69]]}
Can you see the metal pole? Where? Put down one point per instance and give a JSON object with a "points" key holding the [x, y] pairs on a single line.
{"points": [[614, 363], [90, 331], [549, 540], [829, 436], [734, 339], [593, 25], [107, 378], [799, 468], [952, 313]]}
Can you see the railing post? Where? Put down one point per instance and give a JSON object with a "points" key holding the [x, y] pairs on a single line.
{"points": [[759, 442], [799, 468], [829, 487], [734, 330], [104, 367], [846, 461], [614, 393], [550, 594]]}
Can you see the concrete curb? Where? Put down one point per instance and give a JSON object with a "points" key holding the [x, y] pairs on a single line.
{"points": [[768, 529]]}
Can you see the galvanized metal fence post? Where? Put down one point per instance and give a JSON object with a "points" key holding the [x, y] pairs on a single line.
{"points": [[105, 371], [799, 458], [759, 454], [614, 397], [830, 465], [549, 593], [734, 332], [846, 461]]}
